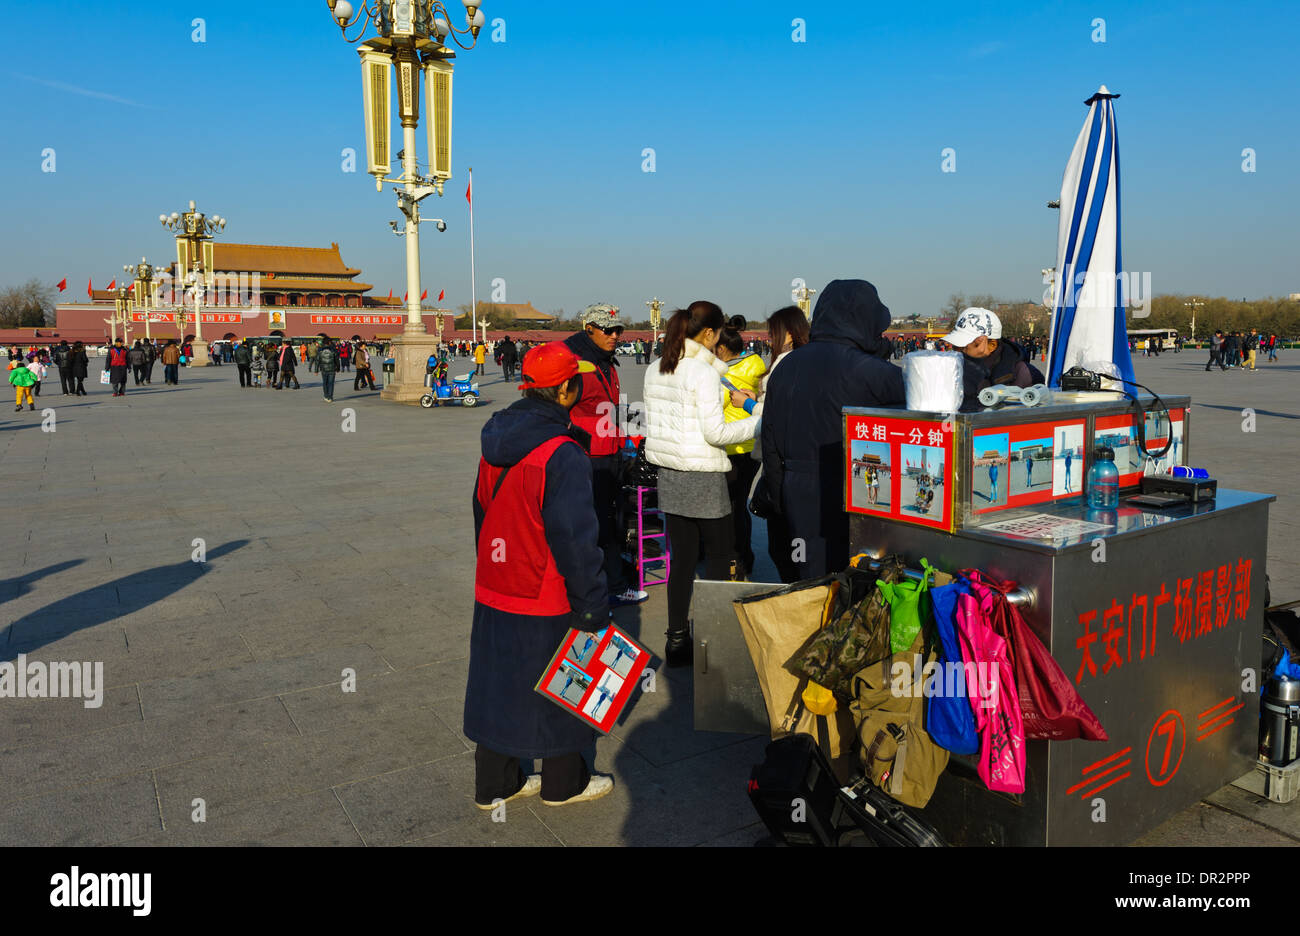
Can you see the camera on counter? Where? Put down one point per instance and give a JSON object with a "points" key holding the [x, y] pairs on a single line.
{"points": [[1076, 378]]}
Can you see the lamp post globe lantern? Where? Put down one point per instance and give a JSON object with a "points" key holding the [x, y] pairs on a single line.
{"points": [[194, 231], [411, 39]]}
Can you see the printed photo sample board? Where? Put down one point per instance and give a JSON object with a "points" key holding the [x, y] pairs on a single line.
{"points": [[593, 675]]}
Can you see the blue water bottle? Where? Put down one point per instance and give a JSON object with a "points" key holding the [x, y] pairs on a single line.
{"points": [[1103, 480]]}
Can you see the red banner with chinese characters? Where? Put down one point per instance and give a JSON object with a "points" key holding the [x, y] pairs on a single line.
{"points": [[209, 318], [901, 468], [358, 319]]}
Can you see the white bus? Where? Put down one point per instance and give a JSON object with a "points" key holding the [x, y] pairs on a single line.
{"points": [[1166, 336]]}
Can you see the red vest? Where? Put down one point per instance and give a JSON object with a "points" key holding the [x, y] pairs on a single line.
{"points": [[596, 412], [117, 357], [516, 571]]}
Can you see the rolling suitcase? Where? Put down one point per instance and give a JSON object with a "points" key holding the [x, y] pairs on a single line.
{"points": [[794, 792], [867, 816]]}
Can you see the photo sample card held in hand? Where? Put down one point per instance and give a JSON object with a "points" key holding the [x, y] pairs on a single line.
{"points": [[592, 675]]}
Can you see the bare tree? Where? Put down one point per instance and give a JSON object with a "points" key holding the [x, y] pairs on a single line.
{"points": [[30, 305]]}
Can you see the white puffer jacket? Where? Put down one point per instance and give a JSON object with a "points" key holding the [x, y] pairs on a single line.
{"points": [[685, 429]]}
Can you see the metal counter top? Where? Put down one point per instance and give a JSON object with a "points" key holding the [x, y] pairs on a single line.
{"points": [[1126, 522]]}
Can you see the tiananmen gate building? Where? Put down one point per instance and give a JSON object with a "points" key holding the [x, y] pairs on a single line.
{"points": [[260, 289]]}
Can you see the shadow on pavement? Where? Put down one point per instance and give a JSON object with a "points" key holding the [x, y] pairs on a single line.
{"points": [[22, 584], [75, 613], [1238, 409]]}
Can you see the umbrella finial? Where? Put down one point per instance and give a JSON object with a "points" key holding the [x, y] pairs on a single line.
{"points": [[1103, 93]]}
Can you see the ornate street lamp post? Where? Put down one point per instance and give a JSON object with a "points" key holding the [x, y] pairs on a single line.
{"points": [[122, 306], [194, 264], [656, 316], [804, 300], [410, 38], [145, 292], [1193, 304]]}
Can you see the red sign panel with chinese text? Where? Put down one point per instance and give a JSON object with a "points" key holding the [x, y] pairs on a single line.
{"points": [[901, 468], [209, 318], [358, 319]]}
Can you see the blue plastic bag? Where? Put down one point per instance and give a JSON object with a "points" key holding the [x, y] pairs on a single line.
{"points": [[949, 718], [1286, 667]]}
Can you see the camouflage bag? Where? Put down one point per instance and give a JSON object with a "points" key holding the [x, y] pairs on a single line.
{"points": [[857, 634]]}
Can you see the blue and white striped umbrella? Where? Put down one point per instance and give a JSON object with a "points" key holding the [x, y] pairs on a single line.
{"points": [[1088, 314]]}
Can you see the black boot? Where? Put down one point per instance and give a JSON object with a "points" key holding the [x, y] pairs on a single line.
{"points": [[679, 650]]}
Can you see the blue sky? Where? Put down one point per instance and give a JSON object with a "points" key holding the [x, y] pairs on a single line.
{"points": [[774, 159]]}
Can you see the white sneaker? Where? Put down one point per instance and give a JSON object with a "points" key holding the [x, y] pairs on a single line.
{"points": [[532, 786], [596, 788], [631, 596]]}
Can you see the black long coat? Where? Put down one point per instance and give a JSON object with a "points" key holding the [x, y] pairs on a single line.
{"points": [[803, 425], [510, 651]]}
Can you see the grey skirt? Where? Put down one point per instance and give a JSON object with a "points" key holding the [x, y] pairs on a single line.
{"points": [[700, 494]]}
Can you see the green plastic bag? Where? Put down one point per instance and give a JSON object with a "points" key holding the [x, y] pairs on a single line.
{"points": [[909, 605]]}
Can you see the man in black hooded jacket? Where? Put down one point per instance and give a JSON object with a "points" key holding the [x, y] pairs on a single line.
{"points": [[844, 364]]}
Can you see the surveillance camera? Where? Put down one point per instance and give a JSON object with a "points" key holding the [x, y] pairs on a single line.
{"points": [[393, 225], [442, 225]]}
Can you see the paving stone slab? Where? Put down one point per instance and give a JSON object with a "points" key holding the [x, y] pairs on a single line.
{"points": [[96, 814], [168, 697], [327, 709], [227, 784], [310, 819], [520, 828], [25, 721], [1281, 817], [391, 741], [44, 764], [418, 802], [1204, 825]]}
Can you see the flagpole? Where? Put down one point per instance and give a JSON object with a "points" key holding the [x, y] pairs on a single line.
{"points": [[473, 281]]}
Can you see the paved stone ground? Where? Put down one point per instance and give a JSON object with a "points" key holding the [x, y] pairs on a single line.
{"points": [[329, 550]]}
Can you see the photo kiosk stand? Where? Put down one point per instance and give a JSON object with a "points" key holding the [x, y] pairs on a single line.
{"points": [[1155, 616]]}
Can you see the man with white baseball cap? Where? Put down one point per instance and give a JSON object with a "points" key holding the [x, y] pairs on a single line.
{"points": [[989, 358], [597, 415]]}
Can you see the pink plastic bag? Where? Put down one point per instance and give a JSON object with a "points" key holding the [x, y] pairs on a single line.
{"points": [[991, 687]]}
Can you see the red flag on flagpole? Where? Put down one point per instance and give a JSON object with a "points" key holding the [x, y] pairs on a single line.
{"points": [[390, 294], [130, 288], [113, 285], [468, 189], [90, 291], [441, 293], [63, 284], [404, 295], [424, 295]]}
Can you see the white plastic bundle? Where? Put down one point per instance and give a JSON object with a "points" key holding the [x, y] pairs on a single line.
{"points": [[932, 380]]}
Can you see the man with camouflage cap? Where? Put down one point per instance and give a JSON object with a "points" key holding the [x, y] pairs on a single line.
{"points": [[597, 414]]}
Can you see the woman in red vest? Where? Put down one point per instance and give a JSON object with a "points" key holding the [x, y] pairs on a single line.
{"points": [[538, 574]]}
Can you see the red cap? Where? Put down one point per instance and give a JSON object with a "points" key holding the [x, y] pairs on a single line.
{"points": [[550, 365]]}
